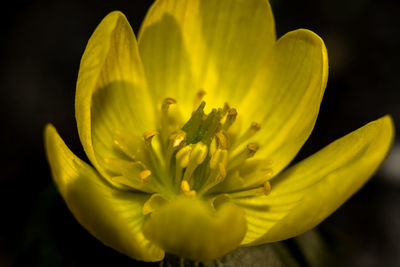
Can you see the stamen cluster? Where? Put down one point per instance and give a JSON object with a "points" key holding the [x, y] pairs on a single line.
{"points": [[190, 158]]}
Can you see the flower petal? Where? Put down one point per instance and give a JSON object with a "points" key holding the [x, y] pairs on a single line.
{"points": [[113, 216], [287, 97], [308, 192], [111, 89], [187, 227], [216, 46]]}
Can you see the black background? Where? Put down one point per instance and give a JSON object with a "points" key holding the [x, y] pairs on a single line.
{"points": [[41, 45]]}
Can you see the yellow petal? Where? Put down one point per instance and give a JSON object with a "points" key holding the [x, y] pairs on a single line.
{"points": [[113, 216], [189, 228], [287, 97], [213, 46], [308, 192], [111, 90]]}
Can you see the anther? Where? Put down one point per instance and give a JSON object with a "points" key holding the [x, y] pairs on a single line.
{"points": [[267, 188], [182, 161], [222, 169], [240, 158], [166, 103], [183, 156], [263, 190], [230, 119], [138, 177], [144, 174], [199, 153], [148, 136], [198, 98], [185, 189], [222, 140], [252, 149], [267, 172], [250, 132], [225, 108], [197, 156], [201, 93], [255, 127], [177, 139], [130, 145], [217, 172], [220, 156]]}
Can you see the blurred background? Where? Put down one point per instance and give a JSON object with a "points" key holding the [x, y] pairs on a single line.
{"points": [[41, 46]]}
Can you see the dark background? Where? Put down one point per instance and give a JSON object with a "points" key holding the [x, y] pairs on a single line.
{"points": [[41, 46]]}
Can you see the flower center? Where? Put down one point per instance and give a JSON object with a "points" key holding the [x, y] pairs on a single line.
{"points": [[189, 158]]}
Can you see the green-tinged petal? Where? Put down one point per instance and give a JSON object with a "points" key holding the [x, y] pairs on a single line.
{"points": [[287, 97], [111, 89], [216, 46], [191, 229], [113, 216], [308, 192]]}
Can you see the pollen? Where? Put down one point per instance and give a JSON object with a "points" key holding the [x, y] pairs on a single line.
{"points": [[144, 174], [194, 157]]}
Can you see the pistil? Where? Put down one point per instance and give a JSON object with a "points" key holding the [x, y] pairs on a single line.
{"points": [[191, 159]]}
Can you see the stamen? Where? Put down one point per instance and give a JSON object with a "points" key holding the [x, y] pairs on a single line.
{"points": [[230, 119], [254, 127], [148, 136], [177, 139], [267, 188], [144, 174], [199, 153], [222, 170], [166, 103], [182, 161], [213, 146], [137, 177], [218, 173], [170, 120], [198, 98], [258, 191], [239, 159], [226, 108], [185, 189], [197, 156], [252, 149], [154, 159], [183, 156], [250, 132], [222, 140], [220, 156], [201, 93], [130, 145]]}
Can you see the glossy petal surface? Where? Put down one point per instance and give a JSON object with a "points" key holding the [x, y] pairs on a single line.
{"points": [[113, 216], [305, 194], [216, 46], [189, 228], [198, 184], [287, 96], [111, 90]]}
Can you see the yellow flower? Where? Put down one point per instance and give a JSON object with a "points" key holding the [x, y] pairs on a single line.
{"points": [[189, 129]]}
